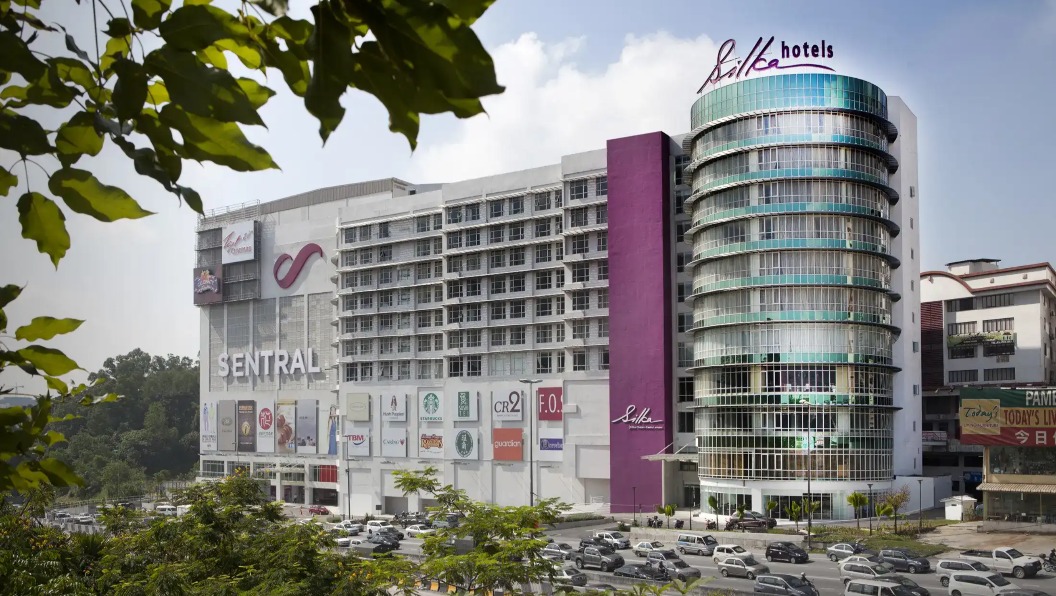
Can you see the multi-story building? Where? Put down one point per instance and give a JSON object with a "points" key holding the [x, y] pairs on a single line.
{"points": [[636, 325], [982, 325]]}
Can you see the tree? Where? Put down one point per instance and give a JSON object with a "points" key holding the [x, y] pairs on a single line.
{"points": [[794, 512], [667, 511], [771, 505], [713, 502], [740, 516], [857, 500], [896, 500], [885, 510]]}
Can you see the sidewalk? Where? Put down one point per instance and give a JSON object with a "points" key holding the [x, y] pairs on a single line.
{"points": [[965, 536]]}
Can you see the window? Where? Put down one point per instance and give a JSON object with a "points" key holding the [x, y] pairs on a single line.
{"points": [[581, 300], [544, 334], [999, 374], [604, 359], [517, 336], [497, 336], [473, 287], [577, 218], [384, 276], [580, 329], [454, 240], [496, 234], [518, 282], [473, 237], [455, 368], [544, 307], [544, 363], [422, 223], [685, 355], [384, 299], [580, 245], [473, 212], [680, 202], [542, 228], [603, 298], [962, 352], [686, 422], [680, 231], [580, 272], [454, 215], [681, 161], [498, 311], [993, 325], [995, 301], [685, 322], [516, 205], [603, 241], [542, 201], [495, 208], [383, 230], [473, 337], [603, 269], [473, 312], [601, 214], [455, 264], [543, 280], [579, 360], [497, 259], [498, 285], [577, 189], [603, 327], [685, 389], [684, 289], [543, 253], [517, 309], [964, 376], [1004, 348], [516, 231], [601, 186], [516, 256], [916, 347], [961, 328]]}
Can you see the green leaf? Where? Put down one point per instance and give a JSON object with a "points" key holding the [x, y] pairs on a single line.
{"points": [[149, 123], [275, 7], [295, 31], [59, 473], [7, 182], [46, 90], [147, 163], [146, 14], [116, 49], [46, 328], [22, 135], [468, 11], [205, 139], [201, 90], [78, 137], [43, 221], [16, 57], [119, 27], [8, 294], [56, 384], [130, 90], [198, 27], [214, 56], [257, 94], [248, 55], [83, 193], [294, 70], [331, 49], [74, 71], [47, 360], [157, 94], [191, 197]]}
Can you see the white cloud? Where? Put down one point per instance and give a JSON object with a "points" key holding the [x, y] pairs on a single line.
{"points": [[552, 106]]}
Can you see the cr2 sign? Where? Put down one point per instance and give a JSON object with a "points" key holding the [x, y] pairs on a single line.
{"points": [[511, 408]]}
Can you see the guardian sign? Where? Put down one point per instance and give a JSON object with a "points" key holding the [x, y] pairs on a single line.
{"points": [[729, 67]]}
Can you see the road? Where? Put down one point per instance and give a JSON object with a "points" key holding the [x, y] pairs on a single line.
{"points": [[824, 573]]}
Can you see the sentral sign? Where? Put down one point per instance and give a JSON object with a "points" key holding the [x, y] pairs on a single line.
{"points": [[266, 362], [762, 58]]}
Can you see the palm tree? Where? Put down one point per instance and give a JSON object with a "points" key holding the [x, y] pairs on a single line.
{"points": [[794, 511], [713, 502], [770, 506], [857, 500]]}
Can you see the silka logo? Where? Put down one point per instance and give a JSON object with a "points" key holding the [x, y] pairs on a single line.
{"points": [[306, 252]]}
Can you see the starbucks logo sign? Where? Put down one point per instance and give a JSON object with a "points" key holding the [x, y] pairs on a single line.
{"points": [[431, 403], [465, 444]]}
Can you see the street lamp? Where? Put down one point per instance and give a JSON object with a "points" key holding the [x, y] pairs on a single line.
{"points": [[810, 473], [920, 505], [870, 512], [531, 439], [634, 509]]}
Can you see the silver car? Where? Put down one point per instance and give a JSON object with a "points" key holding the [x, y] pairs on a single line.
{"points": [[742, 567], [855, 570], [947, 567], [839, 552]]}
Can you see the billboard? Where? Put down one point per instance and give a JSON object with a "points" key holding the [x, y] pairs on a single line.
{"points": [[551, 403], [394, 408], [431, 444], [394, 442], [225, 416], [1019, 417], [207, 425], [307, 426], [208, 288], [285, 423], [507, 406], [265, 426], [357, 442], [247, 426], [551, 444], [466, 406], [430, 405], [328, 432], [507, 444], [466, 445], [357, 407], [239, 243]]}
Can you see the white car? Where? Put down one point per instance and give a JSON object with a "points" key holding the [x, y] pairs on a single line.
{"points": [[725, 551], [978, 583], [867, 560], [643, 549], [947, 567], [376, 524], [349, 526], [419, 530]]}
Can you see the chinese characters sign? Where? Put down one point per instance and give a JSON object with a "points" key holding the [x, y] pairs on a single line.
{"points": [[1022, 417]]}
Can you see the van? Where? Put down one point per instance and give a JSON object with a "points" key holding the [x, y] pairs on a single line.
{"points": [[978, 583], [872, 587], [696, 544], [165, 510]]}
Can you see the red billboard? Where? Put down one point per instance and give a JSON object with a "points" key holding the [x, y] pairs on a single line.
{"points": [[507, 444], [551, 403], [1020, 417]]}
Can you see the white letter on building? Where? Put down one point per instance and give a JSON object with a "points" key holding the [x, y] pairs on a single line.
{"points": [[253, 364], [281, 357], [236, 365], [265, 355], [221, 365], [297, 363], [312, 367]]}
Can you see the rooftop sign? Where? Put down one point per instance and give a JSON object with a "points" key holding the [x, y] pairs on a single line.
{"points": [[729, 67]]}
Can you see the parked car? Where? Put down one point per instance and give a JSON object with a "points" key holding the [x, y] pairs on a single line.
{"points": [[945, 567], [839, 552], [855, 570], [615, 540], [902, 559], [383, 542], [318, 510], [868, 560], [747, 523], [602, 557], [643, 572], [391, 532], [376, 524], [786, 551], [406, 519], [872, 587], [784, 583], [61, 515], [570, 575], [725, 551], [770, 522], [341, 538], [737, 567], [979, 583], [558, 551], [670, 563], [349, 526], [662, 555], [644, 548], [418, 530], [696, 544], [1006, 560], [591, 541], [914, 588]]}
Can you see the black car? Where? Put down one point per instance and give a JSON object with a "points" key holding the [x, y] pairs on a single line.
{"points": [[591, 541], [645, 572], [748, 523], [382, 542], [390, 532], [904, 560], [786, 551]]}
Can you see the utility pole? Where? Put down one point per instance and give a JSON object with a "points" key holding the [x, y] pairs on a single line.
{"points": [[531, 439], [870, 485], [810, 473], [920, 505]]}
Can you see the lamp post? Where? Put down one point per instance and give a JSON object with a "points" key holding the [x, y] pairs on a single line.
{"points": [[348, 493], [531, 439], [810, 473], [870, 512], [920, 505], [634, 508]]}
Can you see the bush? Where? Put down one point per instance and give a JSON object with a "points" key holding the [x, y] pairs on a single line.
{"points": [[334, 519], [574, 517], [623, 527]]}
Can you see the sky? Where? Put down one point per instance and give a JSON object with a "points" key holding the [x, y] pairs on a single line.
{"points": [[978, 76]]}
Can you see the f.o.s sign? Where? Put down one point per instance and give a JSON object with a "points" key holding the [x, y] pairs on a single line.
{"points": [[510, 407]]}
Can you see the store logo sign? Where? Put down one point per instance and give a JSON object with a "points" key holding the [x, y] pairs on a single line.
{"points": [[307, 251], [464, 443], [265, 418], [547, 444], [639, 420], [729, 67]]}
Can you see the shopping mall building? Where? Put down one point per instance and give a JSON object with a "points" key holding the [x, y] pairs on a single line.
{"points": [[728, 312]]}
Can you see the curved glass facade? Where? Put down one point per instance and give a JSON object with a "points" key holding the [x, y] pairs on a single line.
{"points": [[791, 232]]}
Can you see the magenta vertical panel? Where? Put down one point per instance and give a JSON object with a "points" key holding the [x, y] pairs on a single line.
{"points": [[640, 328]]}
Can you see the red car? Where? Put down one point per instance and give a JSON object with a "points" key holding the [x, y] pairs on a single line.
{"points": [[318, 510]]}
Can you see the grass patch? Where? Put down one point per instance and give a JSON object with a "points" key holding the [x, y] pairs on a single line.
{"points": [[574, 517], [884, 537]]}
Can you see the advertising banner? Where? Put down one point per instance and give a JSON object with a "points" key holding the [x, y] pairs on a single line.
{"points": [[265, 426], [208, 288], [431, 444], [239, 243], [507, 444], [207, 425], [394, 408], [551, 444], [466, 445], [247, 426], [285, 423], [227, 439], [507, 405], [394, 442], [551, 403], [329, 429], [357, 442], [307, 426], [466, 406], [430, 405], [989, 338], [357, 407], [1021, 417]]}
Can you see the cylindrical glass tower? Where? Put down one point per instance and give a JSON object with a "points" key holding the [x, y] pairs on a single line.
{"points": [[792, 298]]}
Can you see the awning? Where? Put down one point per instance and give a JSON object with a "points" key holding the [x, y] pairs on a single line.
{"points": [[1049, 489], [687, 457]]}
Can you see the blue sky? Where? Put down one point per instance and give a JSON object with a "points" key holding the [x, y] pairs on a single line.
{"points": [[978, 75]]}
